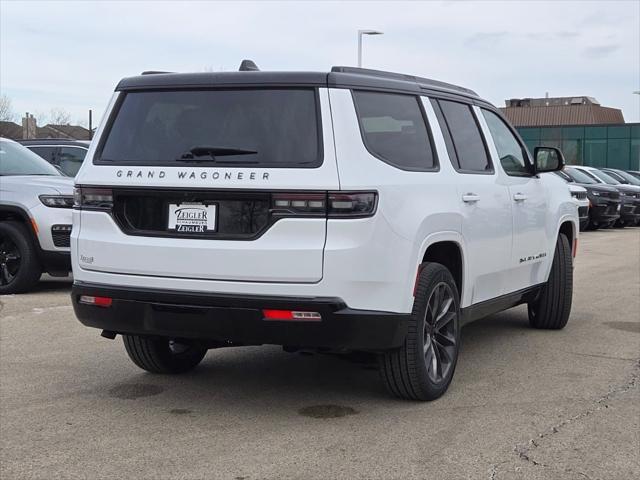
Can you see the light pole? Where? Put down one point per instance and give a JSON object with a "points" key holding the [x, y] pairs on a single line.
{"points": [[360, 33]]}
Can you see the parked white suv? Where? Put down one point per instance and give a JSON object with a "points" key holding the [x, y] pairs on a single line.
{"points": [[350, 210], [35, 219]]}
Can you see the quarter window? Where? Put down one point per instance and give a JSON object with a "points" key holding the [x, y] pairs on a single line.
{"points": [[467, 139], [71, 160], [45, 152], [394, 129], [511, 153]]}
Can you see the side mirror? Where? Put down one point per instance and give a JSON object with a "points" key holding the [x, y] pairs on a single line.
{"points": [[548, 159]]}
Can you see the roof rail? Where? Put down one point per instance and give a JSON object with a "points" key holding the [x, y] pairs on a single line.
{"points": [[153, 72], [421, 81]]}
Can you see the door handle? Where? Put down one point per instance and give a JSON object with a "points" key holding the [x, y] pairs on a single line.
{"points": [[470, 198], [519, 197]]}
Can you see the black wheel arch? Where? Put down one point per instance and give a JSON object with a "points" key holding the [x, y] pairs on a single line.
{"points": [[449, 254], [19, 214], [568, 229]]}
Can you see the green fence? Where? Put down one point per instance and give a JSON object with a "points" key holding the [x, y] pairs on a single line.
{"points": [[615, 146]]}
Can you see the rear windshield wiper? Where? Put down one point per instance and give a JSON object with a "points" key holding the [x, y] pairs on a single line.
{"points": [[203, 150]]}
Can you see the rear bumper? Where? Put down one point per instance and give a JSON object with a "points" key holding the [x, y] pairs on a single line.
{"points": [[238, 319]]}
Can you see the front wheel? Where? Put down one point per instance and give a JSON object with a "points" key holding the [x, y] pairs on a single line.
{"points": [[423, 367], [163, 355], [552, 307], [20, 267]]}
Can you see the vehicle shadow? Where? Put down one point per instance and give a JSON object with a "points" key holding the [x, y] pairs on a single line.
{"points": [[48, 283], [254, 379]]}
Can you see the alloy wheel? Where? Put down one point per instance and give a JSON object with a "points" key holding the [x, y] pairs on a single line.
{"points": [[440, 339], [10, 260]]}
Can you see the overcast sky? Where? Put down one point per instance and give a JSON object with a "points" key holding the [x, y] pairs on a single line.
{"points": [[71, 54]]}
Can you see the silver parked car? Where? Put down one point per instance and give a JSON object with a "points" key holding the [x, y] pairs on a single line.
{"points": [[35, 218]]}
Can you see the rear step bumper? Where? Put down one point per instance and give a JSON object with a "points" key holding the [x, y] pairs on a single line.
{"points": [[238, 319]]}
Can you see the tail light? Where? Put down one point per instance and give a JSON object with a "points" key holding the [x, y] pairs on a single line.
{"points": [[88, 198], [351, 204], [312, 204], [330, 204]]}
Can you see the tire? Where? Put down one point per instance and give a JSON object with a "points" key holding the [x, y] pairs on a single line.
{"points": [[20, 267], [552, 307], [408, 372], [163, 355]]}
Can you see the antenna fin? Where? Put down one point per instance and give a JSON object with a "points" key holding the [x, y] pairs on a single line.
{"points": [[248, 66]]}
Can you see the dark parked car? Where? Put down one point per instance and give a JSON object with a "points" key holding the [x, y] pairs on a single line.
{"points": [[604, 210], [629, 195], [626, 178], [66, 155]]}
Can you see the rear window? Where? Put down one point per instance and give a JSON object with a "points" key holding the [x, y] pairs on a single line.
{"points": [[265, 127], [394, 129]]}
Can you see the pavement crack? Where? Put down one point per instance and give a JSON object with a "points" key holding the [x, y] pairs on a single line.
{"points": [[524, 451], [493, 471], [608, 357]]}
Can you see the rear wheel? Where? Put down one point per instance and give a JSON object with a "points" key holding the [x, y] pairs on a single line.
{"points": [[163, 355], [423, 367], [552, 307], [20, 267]]}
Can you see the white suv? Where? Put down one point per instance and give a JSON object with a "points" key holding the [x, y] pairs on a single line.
{"points": [[349, 210], [35, 219]]}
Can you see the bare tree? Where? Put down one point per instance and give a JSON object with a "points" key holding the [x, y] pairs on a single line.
{"points": [[6, 109], [59, 116], [41, 117]]}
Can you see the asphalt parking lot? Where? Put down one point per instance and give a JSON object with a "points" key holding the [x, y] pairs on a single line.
{"points": [[523, 403]]}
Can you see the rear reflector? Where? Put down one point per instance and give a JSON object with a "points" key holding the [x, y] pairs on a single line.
{"points": [[96, 301], [290, 315]]}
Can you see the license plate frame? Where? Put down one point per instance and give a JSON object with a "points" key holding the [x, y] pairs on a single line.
{"points": [[192, 218]]}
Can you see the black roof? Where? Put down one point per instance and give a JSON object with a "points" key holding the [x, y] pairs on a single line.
{"points": [[54, 141], [339, 77]]}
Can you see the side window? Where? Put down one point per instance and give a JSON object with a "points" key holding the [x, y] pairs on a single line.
{"points": [[394, 129], [71, 160], [512, 154], [470, 149], [44, 152]]}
